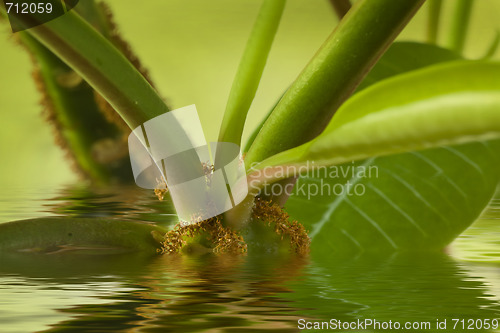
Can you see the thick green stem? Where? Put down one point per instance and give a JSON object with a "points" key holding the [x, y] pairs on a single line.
{"points": [[250, 70], [341, 7], [92, 135], [105, 68], [459, 25], [332, 75], [96, 146], [93, 12], [433, 20]]}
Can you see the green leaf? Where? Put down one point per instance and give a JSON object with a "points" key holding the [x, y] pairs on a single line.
{"points": [[250, 70], [403, 57], [446, 104], [422, 286], [399, 58], [406, 202], [57, 234], [418, 201], [106, 69], [101, 64]]}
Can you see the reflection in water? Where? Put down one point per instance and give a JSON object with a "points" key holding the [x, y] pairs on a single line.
{"points": [[133, 293], [191, 294], [161, 293], [398, 288], [80, 200], [128, 202]]}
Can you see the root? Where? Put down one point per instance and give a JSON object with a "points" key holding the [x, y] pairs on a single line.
{"points": [[211, 236], [275, 216], [211, 231]]}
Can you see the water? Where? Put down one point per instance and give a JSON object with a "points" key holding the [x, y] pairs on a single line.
{"points": [[173, 293]]}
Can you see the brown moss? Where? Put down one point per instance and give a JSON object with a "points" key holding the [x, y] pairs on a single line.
{"points": [[220, 239], [161, 188], [212, 232], [109, 150], [49, 114], [121, 44], [274, 216]]}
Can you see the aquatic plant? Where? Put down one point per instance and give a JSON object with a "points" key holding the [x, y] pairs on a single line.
{"points": [[424, 117]]}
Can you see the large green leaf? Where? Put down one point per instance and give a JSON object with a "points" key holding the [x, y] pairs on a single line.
{"points": [[401, 57], [445, 104], [413, 201], [422, 287]]}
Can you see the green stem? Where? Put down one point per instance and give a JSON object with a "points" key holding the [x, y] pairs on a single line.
{"points": [[97, 147], [107, 70], [433, 20], [250, 70], [332, 75], [459, 25], [104, 67], [341, 7], [94, 142], [93, 12], [256, 130]]}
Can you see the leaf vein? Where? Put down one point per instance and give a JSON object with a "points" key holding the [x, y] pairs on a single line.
{"points": [[372, 222], [335, 203], [442, 173], [417, 194], [397, 208]]}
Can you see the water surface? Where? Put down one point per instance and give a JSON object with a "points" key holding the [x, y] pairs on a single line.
{"points": [[134, 293]]}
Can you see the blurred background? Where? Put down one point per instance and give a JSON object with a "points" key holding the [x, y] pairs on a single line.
{"points": [[192, 50]]}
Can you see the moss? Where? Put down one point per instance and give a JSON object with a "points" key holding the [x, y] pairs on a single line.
{"points": [[161, 188], [209, 234], [212, 236], [275, 217]]}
